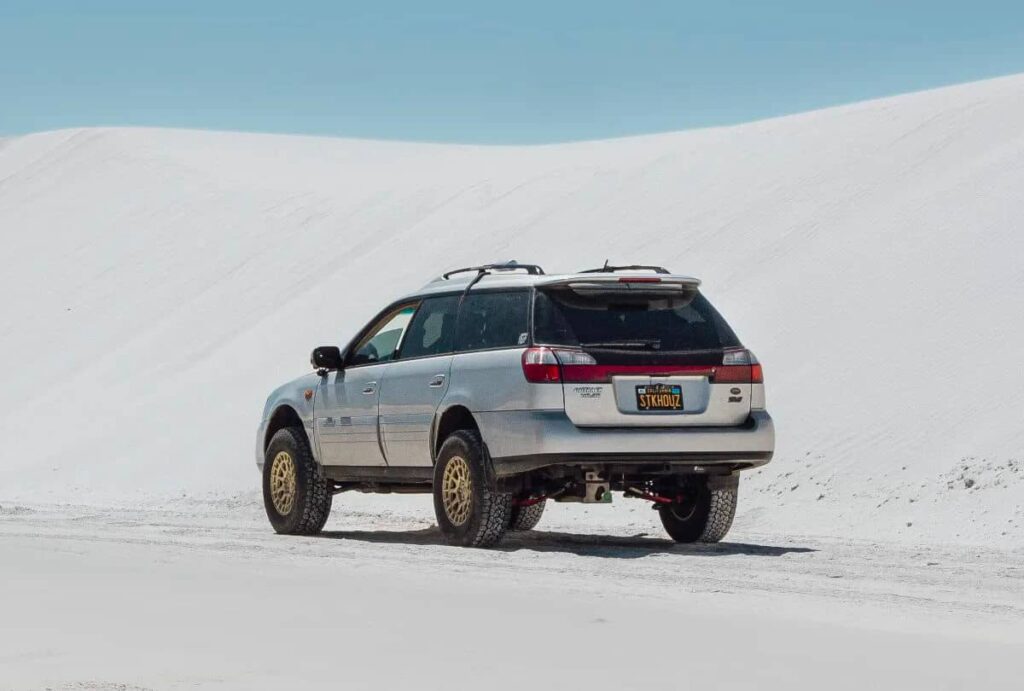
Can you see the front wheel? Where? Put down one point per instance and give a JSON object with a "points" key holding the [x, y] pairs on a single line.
{"points": [[296, 495], [468, 512], [705, 512]]}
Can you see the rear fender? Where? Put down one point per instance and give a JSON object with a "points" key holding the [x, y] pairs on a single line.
{"points": [[453, 417]]}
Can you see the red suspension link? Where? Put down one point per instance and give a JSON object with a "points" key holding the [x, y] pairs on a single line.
{"points": [[650, 496]]}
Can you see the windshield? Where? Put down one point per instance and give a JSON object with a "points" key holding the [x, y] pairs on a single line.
{"points": [[630, 320]]}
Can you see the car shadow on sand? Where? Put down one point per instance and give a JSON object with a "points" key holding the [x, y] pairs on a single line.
{"points": [[609, 546]]}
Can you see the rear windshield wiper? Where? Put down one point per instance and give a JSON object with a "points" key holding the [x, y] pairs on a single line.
{"points": [[647, 344]]}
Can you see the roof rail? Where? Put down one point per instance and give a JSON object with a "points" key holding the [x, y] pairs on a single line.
{"points": [[513, 265], [606, 269]]}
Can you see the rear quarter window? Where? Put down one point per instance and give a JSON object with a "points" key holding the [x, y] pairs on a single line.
{"points": [[493, 320]]}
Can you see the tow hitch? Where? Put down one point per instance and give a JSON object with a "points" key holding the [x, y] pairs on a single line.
{"points": [[593, 490]]}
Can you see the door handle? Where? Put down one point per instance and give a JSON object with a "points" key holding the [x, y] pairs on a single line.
{"points": [[438, 380], [370, 387]]}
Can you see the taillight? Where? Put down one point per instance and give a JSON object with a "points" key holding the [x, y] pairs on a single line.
{"points": [[574, 358], [739, 367], [540, 366], [543, 365]]}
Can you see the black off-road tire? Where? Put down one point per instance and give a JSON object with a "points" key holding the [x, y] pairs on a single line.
{"points": [[489, 511], [526, 517], [707, 513], [312, 502]]}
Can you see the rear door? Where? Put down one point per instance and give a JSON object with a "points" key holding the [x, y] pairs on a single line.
{"points": [[414, 384], [642, 354]]}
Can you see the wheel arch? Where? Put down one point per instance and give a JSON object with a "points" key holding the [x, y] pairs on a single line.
{"points": [[453, 418], [283, 416]]}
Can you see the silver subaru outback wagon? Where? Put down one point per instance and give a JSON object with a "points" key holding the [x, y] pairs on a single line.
{"points": [[497, 388]]}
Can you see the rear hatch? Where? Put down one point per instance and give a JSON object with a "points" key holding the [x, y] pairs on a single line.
{"points": [[642, 351]]}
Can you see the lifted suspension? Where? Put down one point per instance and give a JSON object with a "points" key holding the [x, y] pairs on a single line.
{"points": [[538, 498], [652, 497]]}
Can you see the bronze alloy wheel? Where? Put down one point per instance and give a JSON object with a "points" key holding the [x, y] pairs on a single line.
{"points": [[470, 511], [282, 483], [457, 490], [296, 495]]}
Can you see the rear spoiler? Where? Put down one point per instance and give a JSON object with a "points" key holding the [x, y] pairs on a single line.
{"points": [[599, 281]]}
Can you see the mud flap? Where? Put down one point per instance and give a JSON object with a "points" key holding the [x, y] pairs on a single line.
{"points": [[492, 477]]}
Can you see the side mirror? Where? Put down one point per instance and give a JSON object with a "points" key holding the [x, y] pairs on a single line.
{"points": [[326, 358]]}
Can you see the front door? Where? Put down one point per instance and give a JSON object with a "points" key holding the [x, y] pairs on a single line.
{"points": [[346, 417], [346, 409], [415, 383]]}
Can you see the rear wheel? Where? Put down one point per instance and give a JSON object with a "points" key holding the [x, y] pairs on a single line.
{"points": [[704, 514], [468, 511], [296, 495], [526, 517]]}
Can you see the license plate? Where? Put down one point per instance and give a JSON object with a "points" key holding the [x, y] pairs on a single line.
{"points": [[653, 397]]}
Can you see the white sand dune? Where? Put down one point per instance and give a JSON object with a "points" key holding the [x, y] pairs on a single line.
{"points": [[157, 284]]}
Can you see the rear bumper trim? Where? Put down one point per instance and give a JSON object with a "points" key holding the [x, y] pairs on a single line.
{"points": [[684, 461], [523, 440]]}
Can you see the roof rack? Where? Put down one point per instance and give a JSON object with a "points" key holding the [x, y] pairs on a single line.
{"points": [[513, 265], [606, 269]]}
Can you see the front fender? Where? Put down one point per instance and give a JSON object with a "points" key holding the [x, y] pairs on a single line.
{"points": [[298, 395]]}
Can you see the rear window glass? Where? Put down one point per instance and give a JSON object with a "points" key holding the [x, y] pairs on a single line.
{"points": [[493, 320], [630, 320]]}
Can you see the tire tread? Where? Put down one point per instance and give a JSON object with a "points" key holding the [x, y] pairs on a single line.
{"points": [[711, 518], [315, 501], [526, 517], [495, 507], [720, 514]]}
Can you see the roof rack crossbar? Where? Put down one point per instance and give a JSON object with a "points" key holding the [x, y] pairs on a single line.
{"points": [[531, 269], [607, 269]]}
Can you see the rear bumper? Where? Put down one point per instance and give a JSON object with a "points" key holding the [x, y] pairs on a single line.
{"points": [[519, 441]]}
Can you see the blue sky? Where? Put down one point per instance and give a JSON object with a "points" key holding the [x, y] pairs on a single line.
{"points": [[493, 72]]}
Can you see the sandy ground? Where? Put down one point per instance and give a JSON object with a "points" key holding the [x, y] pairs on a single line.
{"points": [[208, 597]]}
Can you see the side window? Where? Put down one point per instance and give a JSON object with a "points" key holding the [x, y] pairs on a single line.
{"points": [[432, 329], [493, 320], [382, 340]]}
